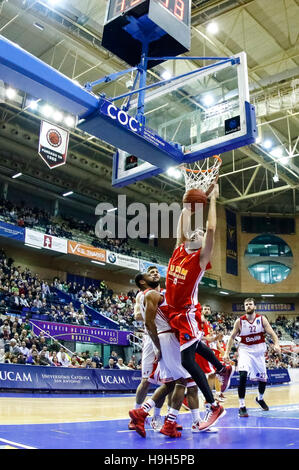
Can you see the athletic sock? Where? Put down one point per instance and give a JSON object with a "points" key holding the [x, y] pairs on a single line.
{"points": [[242, 402], [195, 415], [136, 406], [261, 397], [147, 406], [172, 415]]}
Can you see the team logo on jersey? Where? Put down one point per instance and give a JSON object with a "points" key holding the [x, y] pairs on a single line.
{"points": [[258, 322], [186, 336]]}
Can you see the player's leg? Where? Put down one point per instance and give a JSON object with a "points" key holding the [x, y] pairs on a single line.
{"points": [[193, 402], [224, 372], [138, 416], [260, 398], [170, 425], [241, 393]]}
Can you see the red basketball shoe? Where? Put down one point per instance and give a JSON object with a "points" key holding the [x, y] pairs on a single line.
{"points": [[225, 376], [138, 417], [170, 429], [213, 413]]}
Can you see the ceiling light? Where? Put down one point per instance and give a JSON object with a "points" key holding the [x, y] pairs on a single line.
{"points": [[267, 144], [70, 121], [17, 175], [112, 210], [68, 194], [58, 116], [39, 26], [267, 295], [11, 93], [276, 152], [223, 292], [47, 110], [152, 235], [174, 173], [98, 262], [208, 100], [166, 75], [276, 178], [33, 105], [212, 27]]}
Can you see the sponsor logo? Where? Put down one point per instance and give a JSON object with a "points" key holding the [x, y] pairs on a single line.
{"points": [[122, 117], [113, 379], [186, 336], [15, 376], [112, 257], [251, 339]]}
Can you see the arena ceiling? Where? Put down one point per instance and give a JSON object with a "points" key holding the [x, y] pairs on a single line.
{"points": [[67, 35]]}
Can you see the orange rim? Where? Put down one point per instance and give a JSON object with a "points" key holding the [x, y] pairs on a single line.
{"points": [[217, 157]]}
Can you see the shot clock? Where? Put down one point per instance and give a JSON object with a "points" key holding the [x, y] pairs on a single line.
{"points": [[162, 25]]}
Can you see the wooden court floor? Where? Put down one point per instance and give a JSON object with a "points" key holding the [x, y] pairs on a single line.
{"points": [[27, 421]]}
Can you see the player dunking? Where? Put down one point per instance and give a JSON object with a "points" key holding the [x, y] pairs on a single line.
{"points": [[187, 265], [251, 327]]}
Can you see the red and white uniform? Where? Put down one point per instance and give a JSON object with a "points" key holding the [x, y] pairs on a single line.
{"points": [[183, 277], [205, 365], [169, 368], [252, 348]]}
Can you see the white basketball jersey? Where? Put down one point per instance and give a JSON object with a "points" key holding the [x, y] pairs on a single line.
{"points": [[252, 334]]}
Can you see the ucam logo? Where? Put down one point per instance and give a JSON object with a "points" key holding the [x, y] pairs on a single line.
{"points": [[15, 376], [122, 117], [113, 379]]}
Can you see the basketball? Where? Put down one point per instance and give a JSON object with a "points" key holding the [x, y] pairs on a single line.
{"points": [[194, 196]]}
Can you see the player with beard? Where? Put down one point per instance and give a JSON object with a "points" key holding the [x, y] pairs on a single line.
{"points": [[170, 371], [251, 328]]}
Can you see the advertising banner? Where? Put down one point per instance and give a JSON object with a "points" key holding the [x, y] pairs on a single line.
{"points": [[12, 231], [53, 144], [87, 251], [274, 376], [123, 260], [84, 334], [267, 307], [42, 240], [231, 243], [15, 376]]}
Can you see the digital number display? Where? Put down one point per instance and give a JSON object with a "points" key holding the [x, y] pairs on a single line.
{"points": [[179, 8]]}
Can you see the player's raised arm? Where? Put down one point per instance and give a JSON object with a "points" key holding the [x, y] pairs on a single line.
{"points": [[152, 301], [209, 238], [184, 226], [234, 333]]}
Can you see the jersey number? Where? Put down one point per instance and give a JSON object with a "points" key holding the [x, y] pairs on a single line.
{"points": [[252, 329]]}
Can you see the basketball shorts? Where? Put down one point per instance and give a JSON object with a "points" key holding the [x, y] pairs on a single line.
{"points": [[187, 324], [170, 368], [148, 357], [253, 363]]}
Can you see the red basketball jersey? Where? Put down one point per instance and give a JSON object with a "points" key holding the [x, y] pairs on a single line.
{"points": [[183, 277]]}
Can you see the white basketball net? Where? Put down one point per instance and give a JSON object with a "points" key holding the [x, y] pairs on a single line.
{"points": [[201, 174]]}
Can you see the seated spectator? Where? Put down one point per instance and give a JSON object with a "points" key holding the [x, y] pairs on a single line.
{"points": [[131, 365], [21, 359], [121, 365], [74, 362], [98, 360], [14, 348], [23, 349], [111, 364]]}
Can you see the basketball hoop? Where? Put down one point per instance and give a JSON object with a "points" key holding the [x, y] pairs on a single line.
{"points": [[201, 174]]}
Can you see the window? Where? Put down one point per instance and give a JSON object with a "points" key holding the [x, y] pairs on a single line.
{"points": [[269, 259]]}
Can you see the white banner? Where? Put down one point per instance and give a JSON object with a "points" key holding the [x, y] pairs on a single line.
{"points": [[122, 260], [39, 239], [53, 144]]}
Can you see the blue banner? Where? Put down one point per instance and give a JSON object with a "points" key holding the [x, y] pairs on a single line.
{"points": [[12, 231], [231, 243], [144, 265], [15, 376], [85, 334], [275, 376], [266, 307]]}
